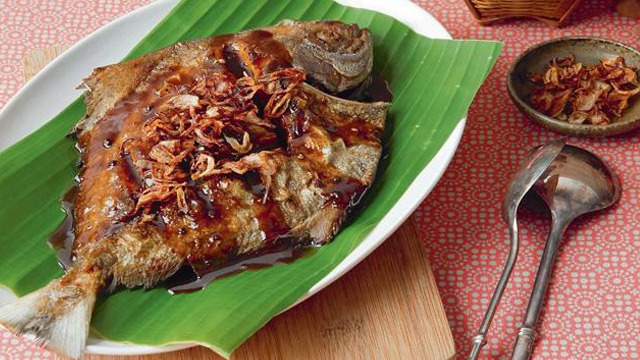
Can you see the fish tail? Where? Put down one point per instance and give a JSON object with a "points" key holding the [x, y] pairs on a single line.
{"points": [[56, 316]]}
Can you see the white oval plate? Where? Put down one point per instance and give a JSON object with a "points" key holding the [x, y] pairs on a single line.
{"points": [[51, 90]]}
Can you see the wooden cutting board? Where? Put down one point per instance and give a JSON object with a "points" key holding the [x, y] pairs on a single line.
{"points": [[387, 307]]}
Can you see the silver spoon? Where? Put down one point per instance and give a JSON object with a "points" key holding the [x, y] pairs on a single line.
{"points": [[530, 170], [576, 183]]}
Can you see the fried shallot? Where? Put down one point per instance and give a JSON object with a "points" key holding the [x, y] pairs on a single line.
{"points": [[580, 94]]}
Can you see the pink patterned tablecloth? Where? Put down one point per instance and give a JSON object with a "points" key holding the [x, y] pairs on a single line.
{"points": [[593, 306]]}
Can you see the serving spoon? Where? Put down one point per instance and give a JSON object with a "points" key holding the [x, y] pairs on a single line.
{"points": [[532, 167], [576, 183]]}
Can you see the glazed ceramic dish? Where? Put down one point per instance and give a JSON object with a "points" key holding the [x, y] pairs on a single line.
{"points": [[588, 51]]}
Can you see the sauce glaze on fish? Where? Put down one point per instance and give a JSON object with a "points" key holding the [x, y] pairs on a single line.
{"points": [[210, 153]]}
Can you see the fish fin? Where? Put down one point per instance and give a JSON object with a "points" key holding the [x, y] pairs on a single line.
{"points": [[57, 316]]}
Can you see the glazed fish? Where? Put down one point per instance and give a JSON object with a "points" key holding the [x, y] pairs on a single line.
{"points": [[208, 152]]}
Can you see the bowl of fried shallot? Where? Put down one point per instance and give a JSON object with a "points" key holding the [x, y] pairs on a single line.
{"points": [[581, 86]]}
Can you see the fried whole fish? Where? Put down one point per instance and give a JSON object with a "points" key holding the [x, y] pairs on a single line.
{"points": [[207, 152]]}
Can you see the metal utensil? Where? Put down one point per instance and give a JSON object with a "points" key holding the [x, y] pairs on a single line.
{"points": [[524, 178], [576, 183]]}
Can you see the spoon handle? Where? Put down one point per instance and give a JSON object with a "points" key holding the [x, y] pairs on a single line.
{"points": [[479, 340], [526, 336]]}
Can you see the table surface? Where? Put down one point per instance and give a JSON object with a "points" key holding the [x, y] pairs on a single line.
{"points": [[592, 311]]}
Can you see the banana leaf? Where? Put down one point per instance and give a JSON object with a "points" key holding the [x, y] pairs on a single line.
{"points": [[433, 81]]}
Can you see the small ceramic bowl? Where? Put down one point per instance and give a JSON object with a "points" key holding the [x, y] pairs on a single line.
{"points": [[587, 50]]}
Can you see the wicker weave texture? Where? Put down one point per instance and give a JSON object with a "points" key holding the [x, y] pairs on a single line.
{"points": [[552, 12]]}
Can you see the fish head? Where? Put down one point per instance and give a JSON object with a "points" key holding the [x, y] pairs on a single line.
{"points": [[336, 55]]}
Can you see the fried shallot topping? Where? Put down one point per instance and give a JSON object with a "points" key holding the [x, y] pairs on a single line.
{"points": [[205, 131], [580, 94]]}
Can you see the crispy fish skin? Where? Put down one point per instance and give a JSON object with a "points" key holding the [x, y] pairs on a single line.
{"points": [[304, 189]]}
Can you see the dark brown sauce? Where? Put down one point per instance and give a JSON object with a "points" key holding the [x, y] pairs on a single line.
{"points": [[187, 280], [254, 183], [354, 132], [128, 171], [233, 62], [344, 193], [206, 203], [61, 240], [300, 124], [264, 140], [374, 88]]}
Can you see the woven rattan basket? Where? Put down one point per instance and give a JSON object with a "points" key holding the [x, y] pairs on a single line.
{"points": [[552, 12]]}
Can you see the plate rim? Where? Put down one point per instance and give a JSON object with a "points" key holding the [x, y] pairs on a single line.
{"points": [[405, 11]]}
